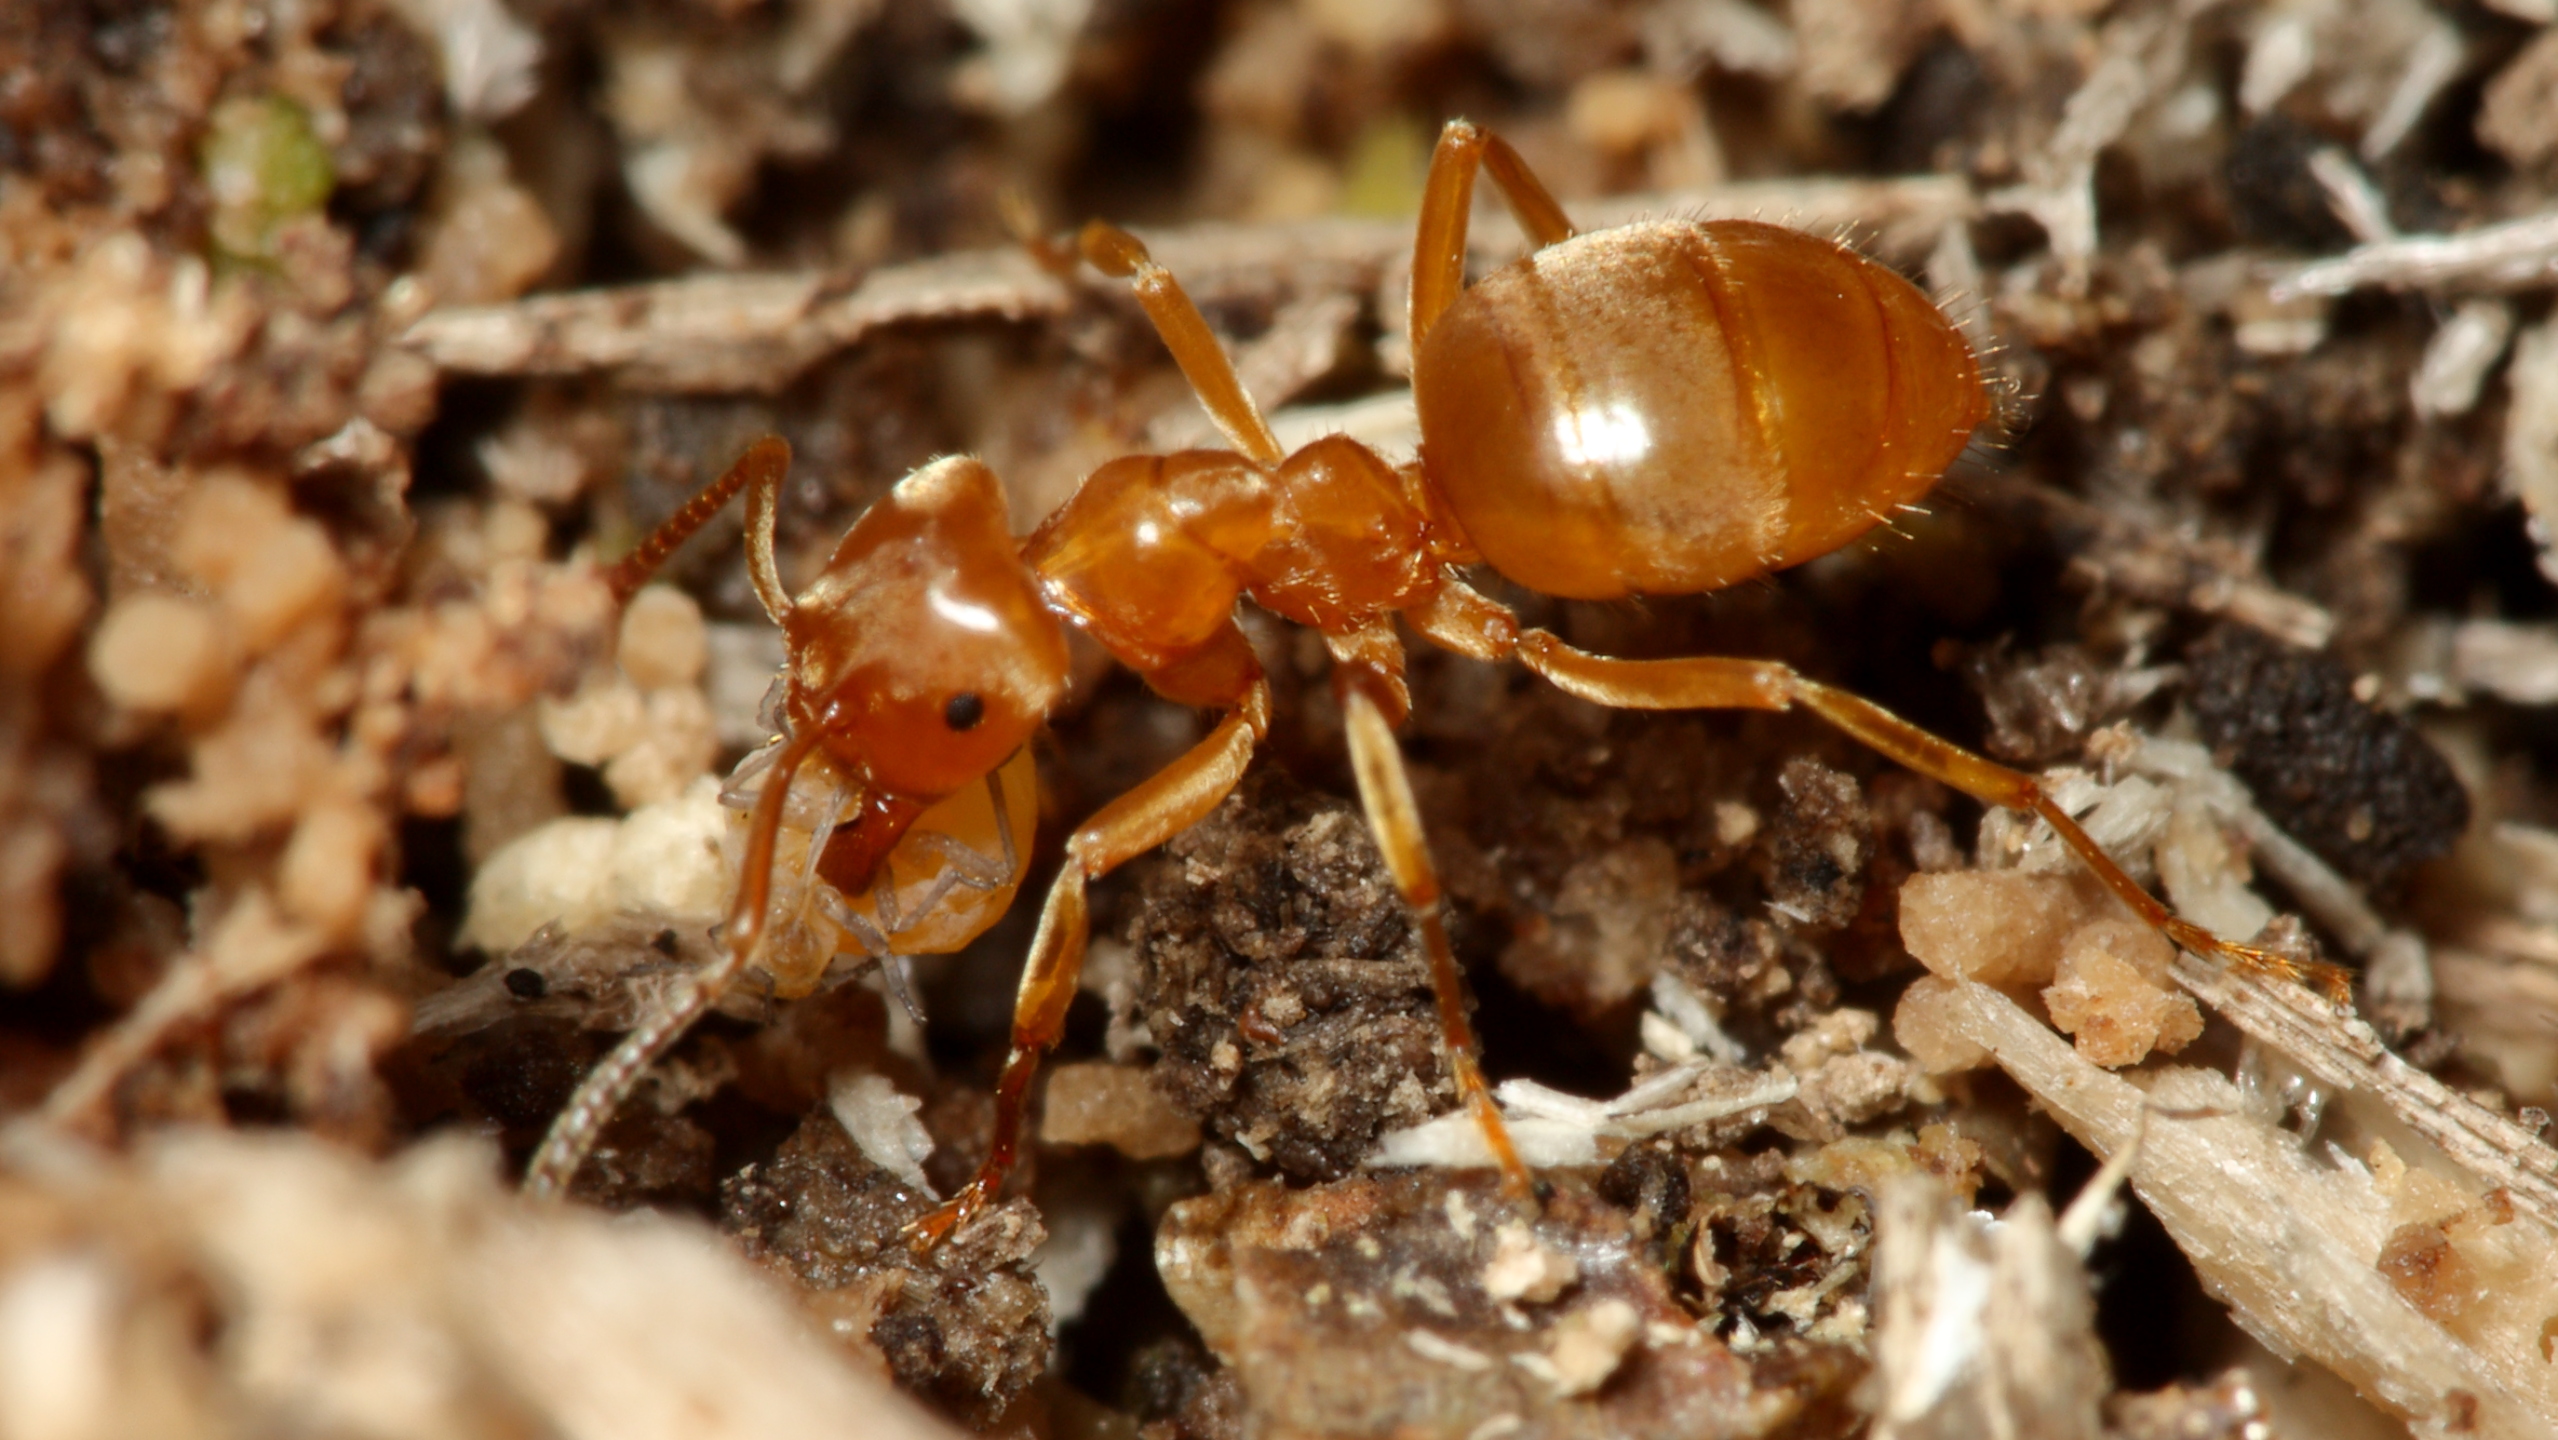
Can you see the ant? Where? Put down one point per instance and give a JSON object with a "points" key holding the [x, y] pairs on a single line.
{"points": [[1661, 408]]}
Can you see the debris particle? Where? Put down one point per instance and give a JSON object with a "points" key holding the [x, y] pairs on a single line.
{"points": [[1244, 1264], [1823, 838], [1589, 1344], [1523, 1268], [965, 1325], [1276, 900], [881, 1121], [2112, 993], [1098, 1103], [1980, 1329], [1997, 927], [2358, 786]]}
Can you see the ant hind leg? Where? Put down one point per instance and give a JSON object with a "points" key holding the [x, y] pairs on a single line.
{"points": [[1447, 200], [1712, 683]]}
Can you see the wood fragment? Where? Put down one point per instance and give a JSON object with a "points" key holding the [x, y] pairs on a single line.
{"points": [[2511, 255], [2344, 1052], [2291, 1245], [1980, 1329], [2152, 565], [250, 948], [716, 333]]}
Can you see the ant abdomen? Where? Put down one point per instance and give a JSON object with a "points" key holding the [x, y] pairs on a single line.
{"points": [[1676, 407]]}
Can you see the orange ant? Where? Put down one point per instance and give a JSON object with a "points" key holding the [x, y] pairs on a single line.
{"points": [[1661, 408]]}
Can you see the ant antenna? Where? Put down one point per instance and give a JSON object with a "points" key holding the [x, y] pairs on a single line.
{"points": [[573, 1134], [766, 458]]}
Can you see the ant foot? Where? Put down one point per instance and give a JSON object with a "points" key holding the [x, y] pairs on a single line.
{"points": [[935, 1225], [2334, 981], [1518, 1182]]}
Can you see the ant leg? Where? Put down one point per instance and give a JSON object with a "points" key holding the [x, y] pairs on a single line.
{"points": [[1447, 202], [1116, 253], [1713, 683], [573, 1133], [1170, 801], [1385, 790], [1021, 217], [759, 472]]}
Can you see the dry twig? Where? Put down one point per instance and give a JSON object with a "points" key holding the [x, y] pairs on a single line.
{"points": [[2153, 566], [741, 332]]}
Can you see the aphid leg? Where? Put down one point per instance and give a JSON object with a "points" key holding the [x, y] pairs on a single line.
{"points": [[840, 912], [573, 1133], [759, 472], [1385, 790], [1447, 202], [1709, 683], [965, 864], [1170, 801], [896, 971], [964, 867], [1185, 333]]}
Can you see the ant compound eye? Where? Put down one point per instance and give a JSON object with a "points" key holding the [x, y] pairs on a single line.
{"points": [[526, 983], [964, 710]]}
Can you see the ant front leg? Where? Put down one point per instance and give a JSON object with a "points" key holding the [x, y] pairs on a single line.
{"points": [[1385, 791], [1172, 800], [1708, 683], [1447, 203]]}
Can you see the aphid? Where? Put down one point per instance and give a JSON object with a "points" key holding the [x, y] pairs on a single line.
{"points": [[1663, 408]]}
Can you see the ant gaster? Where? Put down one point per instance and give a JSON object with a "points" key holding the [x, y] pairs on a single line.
{"points": [[1661, 408]]}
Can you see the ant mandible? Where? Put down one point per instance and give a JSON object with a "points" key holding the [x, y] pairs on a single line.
{"points": [[1656, 409]]}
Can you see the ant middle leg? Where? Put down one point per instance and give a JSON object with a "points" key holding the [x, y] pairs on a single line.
{"points": [[1170, 801], [1204, 362], [1368, 692], [1713, 683], [1447, 202]]}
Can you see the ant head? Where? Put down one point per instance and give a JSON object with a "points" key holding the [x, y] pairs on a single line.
{"points": [[923, 655]]}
